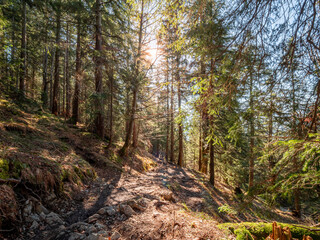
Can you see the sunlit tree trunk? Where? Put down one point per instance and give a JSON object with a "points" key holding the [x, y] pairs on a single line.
{"points": [[172, 123], [55, 94], [99, 119], [124, 149], [180, 151], [76, 95], [168, 113]]}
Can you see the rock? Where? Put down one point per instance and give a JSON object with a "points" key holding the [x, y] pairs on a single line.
{"points": [[76, 236], [115, 236], [102, 211], [91, 229], [53, 218], [93, 218], [111, 211], [103, 233], [80, 226], [28, 208], [39, 208], [135, 205], [94, 236], [61, 228], [121, 217], [34, 225], [126, 210], [35, 217], [42, 216], [99, 226]]}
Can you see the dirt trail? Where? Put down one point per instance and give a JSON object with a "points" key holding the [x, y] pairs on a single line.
{"points": [[166, 189]]}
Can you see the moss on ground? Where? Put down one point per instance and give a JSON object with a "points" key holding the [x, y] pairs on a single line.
{"points": [[259, 231]]}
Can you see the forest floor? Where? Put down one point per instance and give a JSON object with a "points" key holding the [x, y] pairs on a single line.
{"points": [[141, 197]]}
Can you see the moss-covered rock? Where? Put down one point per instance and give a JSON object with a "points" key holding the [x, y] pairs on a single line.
{"points": [[259, 231]]}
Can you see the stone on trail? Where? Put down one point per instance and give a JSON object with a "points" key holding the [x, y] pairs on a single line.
{"points": [[93, 218], [76, 236], [136, 205], [34, 225], [111, 211], [126, 210], [102, 211], [53, 218], [94, 236]]}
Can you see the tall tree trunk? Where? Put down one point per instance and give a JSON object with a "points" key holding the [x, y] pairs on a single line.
{"points": [[33, 82], [99, 120], [211, 165], [55, 92], [200, 145], [296, 191], [180, 155], [68, 86], [124, 149], [168, 114], [13, 54], [23, 49], [44, 95], [251, 122], [111, 81], [270, 134], [51, 78], [172, 124], [76, 95]]}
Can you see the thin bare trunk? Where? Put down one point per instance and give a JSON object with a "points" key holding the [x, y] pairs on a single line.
{"points": [[68, 86], [76, 95], [180, 151], [55, 94], [23, 49], [99, 121], [124, 149], [172, 124], [251, 120], [111, 80]]}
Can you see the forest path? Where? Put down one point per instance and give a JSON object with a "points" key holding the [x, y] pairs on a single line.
{"points": [[173, 205]]}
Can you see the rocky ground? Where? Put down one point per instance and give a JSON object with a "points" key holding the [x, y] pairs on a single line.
{"points": [[166, 202]]}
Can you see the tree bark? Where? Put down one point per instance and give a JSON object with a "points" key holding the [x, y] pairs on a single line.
{"points": [[44, 96], [76, 95], [124, 149], [212, 175], [180, 155], [168, 114], [172, 124], [200, 146], [68, 86], [23, 49], [111, 81], [251, 122], [99, 119], [55, 92]]}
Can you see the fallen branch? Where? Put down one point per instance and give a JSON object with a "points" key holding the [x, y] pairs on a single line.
{"points": [[9, 180]]}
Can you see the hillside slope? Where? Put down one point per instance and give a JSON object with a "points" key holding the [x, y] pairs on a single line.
{"points": [[58, 181]]}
